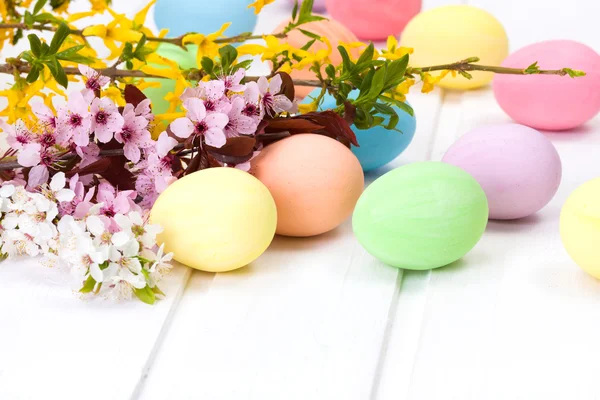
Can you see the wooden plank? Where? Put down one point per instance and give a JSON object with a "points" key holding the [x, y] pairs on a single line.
{"points": [[306, 320]]}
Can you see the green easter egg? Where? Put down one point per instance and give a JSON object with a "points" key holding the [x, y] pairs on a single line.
{"points": [[421, 216], [185, 59]]}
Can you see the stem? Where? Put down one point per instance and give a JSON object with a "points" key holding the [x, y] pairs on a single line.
{"points": [[178, 41], [467, 65]]}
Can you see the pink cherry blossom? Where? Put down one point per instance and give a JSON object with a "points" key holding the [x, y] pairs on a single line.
{"points": [[272, 102], [239, 124], [232, 82], [18, 135], [253, 107], [199, 123], [106, 119], [74, 120], [41, 159], [115, 202], [89, 154], [212, 93], [44, 114], [133, 135], [94, 81], [144, 110], [81, 203]]}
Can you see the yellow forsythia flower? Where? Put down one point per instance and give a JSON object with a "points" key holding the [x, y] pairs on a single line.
{"points": [[271, 48], [174, 97], [206, 43], [306, 108], [320, 56], [115, 94], [259, 4], [429, 81], [18, 97], [403, 88], [99, 6], [393, 52], [351, 46]]}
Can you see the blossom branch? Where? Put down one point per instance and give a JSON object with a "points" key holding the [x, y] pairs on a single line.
{"points": [[178, 41]]}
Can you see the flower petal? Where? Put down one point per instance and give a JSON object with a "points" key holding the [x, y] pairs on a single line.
{"points": [[182, 127]]}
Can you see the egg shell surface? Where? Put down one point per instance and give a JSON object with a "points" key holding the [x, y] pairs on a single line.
{"points": [[377, 145], [551, 102], [332, 30], [217, 219], [315, 181], [204, 16], [374, 19], [185, 59], [518, 167], [452, 33], [421, 216], [318, 5], [580, 226]]}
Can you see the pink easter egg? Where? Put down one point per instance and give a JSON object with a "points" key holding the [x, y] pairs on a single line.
{"points": [[374, 19], [318, 5], [518, 167], [551, 102]]}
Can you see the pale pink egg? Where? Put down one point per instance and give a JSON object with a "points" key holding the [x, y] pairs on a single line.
{"points": [[314, 180], [551, 102], [374, 19], [332, 30]]}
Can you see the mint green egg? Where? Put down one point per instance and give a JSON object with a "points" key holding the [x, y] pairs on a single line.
{"points": [[185, 59], [421, 216]]}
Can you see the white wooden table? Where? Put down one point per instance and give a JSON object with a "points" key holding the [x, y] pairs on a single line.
{"points": [[320, 318]]}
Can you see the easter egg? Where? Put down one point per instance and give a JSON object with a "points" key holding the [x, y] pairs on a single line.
{"points": [[377, 145], [332, 30], [375, 19], [217, 219], [185, 59], [315, 181], [449, 34], [318, 5], [551, 102], [204, 16], [518, 168], [580, 226], [421, 216]]}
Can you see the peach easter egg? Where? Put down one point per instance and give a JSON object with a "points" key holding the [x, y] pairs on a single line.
{"points": [[551, 102], [315, 181], [332, 30]]}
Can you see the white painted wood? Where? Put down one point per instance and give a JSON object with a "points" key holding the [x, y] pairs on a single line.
{"points": [[306, 320]]}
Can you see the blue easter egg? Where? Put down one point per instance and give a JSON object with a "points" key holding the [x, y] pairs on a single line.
{"points": [[204, 16], [378, 145]]}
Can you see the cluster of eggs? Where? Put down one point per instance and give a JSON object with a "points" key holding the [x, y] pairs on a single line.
{"points": [[419, 216]]}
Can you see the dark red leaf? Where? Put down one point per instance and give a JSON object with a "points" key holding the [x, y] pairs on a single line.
{"points": [[134, 95], [334, 125], [287, 86], [237, 146], [349, 112], [293, 125], [116, 173]]}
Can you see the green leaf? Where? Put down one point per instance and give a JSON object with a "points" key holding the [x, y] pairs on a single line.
{"points": [[17, 36], [228, 56], [330, 71], [376, 86], [207, 64], [307, 46], [157, 291], [57, 71], [29, 20], [59, 37], [38, 6], [27, 56], [395, 72], [295, 10], [146, 295], [65, 54], [400, 104], [34, 74], [384, 109], [393, 122], [46, 17], [88, 285], [306, 9], [346, 62], [244, 64], [36, 44], [573, 73], [310, 34], [366, 57], [45, 49]]}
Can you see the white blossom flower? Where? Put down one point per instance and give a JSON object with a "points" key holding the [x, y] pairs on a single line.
{"points": [[133, 224]]}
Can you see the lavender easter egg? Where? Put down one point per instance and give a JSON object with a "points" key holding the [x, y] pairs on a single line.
{"points": [[518, 168], [318, 5], [374, 19], [551, 102]]}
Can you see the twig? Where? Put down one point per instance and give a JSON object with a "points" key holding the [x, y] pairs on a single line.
{"points": [[178, 41], [468, 65]]}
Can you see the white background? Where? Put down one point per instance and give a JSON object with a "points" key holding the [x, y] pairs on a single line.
{"points": [[319, 318]]}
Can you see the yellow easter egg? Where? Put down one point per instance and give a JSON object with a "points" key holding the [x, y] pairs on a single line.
{"points": [[580, 226], [216, 220], [449, 34]]}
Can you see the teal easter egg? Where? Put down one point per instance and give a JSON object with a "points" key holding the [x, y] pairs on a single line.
{"points": [[185, 59], [204, 16], [378, 145], [421, 216]]}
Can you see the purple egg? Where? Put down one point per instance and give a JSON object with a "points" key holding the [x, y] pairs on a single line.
{"points": [[518, 168], [318, 5]]}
